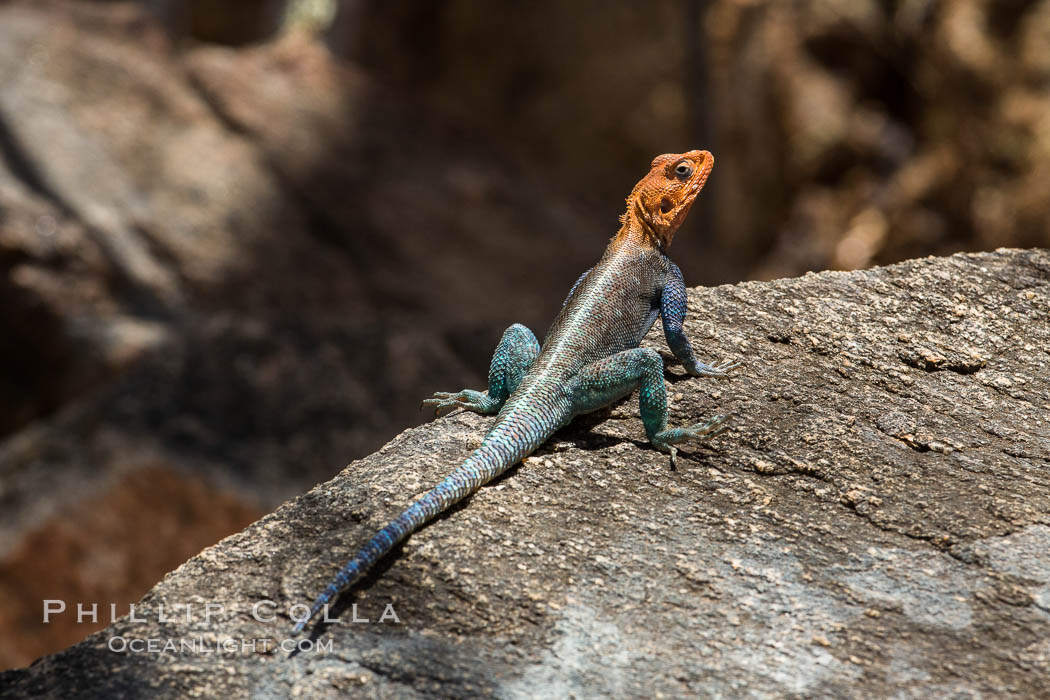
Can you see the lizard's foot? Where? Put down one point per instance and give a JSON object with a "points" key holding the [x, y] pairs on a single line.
{"points": [[468, 399], [702, 370], [666, 440]]}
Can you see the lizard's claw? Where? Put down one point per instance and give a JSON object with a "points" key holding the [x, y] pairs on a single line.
{"points": [[468, 400], [709, 429], [702, 370], [666, 440]]}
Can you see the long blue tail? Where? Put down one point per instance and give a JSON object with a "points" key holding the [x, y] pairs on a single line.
{"points": [[503, 447]]}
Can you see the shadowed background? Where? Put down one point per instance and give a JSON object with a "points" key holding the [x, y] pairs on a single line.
{"points": [[239, 241]]}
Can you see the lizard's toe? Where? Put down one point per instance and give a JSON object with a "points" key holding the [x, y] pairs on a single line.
{"points": [[721, 370], [468, 399], [709, 429], [665, 440]]}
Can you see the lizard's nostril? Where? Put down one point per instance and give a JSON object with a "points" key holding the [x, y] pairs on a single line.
{"points": [[666, 205]]}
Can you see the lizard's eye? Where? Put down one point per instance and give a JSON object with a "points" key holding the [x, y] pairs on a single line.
{"points": [[683, 170]]}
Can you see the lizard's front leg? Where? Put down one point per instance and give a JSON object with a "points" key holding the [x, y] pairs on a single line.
{"points": [[514, 355], [673, 304], [603, 382]]}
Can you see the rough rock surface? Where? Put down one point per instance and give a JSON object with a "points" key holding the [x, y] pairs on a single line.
{"points": [[875, 522]]}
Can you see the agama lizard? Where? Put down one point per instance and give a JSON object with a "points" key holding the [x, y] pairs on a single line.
{"points": [[589, 359]]}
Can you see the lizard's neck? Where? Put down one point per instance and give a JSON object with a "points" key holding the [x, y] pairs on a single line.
{"points": [[637, 230]]}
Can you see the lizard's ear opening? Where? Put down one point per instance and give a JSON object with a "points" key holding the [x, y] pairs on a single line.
{"points": [[666, 205]]}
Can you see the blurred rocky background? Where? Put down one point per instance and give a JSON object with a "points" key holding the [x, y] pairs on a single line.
{"points": [[240, 240]]}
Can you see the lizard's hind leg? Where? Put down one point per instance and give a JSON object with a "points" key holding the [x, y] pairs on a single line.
{"points": [[611, 378], [516, 352]]}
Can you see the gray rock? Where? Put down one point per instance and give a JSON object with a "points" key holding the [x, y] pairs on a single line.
{"points": [[873, 524]]}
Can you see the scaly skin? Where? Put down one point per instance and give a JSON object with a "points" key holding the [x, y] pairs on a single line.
{"points": [[589, 359]]}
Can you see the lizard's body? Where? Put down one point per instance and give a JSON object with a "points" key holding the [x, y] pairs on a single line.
{"points": [[589, 359]]}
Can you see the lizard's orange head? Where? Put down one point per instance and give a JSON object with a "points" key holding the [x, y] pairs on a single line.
{"points": [[661, 200]]}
